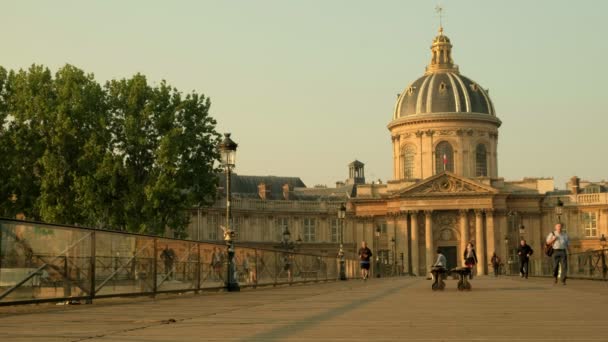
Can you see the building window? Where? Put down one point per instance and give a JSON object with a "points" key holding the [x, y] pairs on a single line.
{"points": [[592, 189], [281, 223], [481, 161], [383, 227], [335, 230], [237, 224], [310, 230], [409, 153], [444, 157], [212, 227], [590, 224]]}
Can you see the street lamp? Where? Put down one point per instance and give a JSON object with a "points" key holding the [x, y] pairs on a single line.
{"points": [[603, 243], [507, 255], [228, 154], [377, 251], [341, 218], [394, 245], [559, 209]]}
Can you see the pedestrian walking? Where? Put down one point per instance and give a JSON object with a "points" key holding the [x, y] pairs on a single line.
{"points": [[524, 251], [168, 257], [495, 261], [559, 240], [470, 258], [364, 255]]}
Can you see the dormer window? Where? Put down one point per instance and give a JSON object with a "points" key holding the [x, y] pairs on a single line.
{"points": [[442, 88], [409, 91], [474, 86]]}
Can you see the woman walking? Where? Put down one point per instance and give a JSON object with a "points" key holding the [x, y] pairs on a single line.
{"points": [[470, 258]]}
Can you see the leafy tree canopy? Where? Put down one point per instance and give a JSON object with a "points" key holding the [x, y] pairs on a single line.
{"points": [[124, 155]]}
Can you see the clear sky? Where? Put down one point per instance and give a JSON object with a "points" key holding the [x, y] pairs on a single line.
{"points": [[305, 87]]}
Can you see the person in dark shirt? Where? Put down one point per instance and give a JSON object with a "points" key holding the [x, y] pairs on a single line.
{"points": [[495, 261], [365, 254], [524, 251], [470, 258], [168, 257]]}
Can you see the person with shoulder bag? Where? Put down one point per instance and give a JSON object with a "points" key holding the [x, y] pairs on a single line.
{"points": [[558, 241]]}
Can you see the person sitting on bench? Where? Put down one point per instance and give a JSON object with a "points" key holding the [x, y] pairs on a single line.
{"points": [[441, 260]]}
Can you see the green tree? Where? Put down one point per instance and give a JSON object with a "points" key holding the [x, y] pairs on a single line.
{"points": [[167, 145], [125, 156]]}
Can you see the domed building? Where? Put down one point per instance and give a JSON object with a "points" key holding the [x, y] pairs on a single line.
{"points": [[445, 191], [444, 121]]}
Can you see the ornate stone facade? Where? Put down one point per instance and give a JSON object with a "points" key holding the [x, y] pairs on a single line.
{"points": [[445, 190]]}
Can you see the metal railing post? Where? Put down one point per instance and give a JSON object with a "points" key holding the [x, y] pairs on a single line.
{"points": [[92, 269], [198, 267], [276, 268], [67, 286], [155, 268]]}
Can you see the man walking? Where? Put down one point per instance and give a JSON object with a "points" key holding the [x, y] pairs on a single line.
{"points": [[559, 240], [495, 261], [524, 251], [364, 254]]}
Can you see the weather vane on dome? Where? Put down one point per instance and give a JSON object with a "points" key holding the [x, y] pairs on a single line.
{"points": [[439, 10]]}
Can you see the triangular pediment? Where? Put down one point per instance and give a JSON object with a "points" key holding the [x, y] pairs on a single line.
{"points": [[446, 183]]}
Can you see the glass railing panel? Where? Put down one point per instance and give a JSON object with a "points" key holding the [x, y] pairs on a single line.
{"points": [[40, 261], [213, 265], [124, 263], [176, 265]]}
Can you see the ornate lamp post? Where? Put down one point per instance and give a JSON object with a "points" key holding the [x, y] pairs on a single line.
{"points": [[507, 255], [228, 153], [559, 209], [603, 243], [377, 251], [394, 245], [341, 218]]}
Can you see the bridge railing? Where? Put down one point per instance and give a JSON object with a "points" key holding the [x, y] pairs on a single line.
{"points": [[44, 262], [583, 265]]}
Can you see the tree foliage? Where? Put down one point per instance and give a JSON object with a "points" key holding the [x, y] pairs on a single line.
{"points": [[125, 155]]}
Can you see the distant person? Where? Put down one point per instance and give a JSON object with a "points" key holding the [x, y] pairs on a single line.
{"points": [[524, 251], [365, 255], [495, 261], [441, 260], [168, 257], [287, 266], [559, 240], [470, 258], [217, 261]]}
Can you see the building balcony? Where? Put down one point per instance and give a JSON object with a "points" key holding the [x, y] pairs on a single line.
{"points": [[591, 199], [280, 205]]}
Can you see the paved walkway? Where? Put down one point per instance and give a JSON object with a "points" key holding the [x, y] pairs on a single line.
{"points": [[498, 309]]}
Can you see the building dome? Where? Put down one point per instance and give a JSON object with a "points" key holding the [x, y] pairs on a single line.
{"points": [[442, 89]]}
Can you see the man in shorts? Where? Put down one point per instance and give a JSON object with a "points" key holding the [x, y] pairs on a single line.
{"points": [[365, 254]]}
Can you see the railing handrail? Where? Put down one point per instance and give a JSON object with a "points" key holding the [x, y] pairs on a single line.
{"points": [[141, 273]]}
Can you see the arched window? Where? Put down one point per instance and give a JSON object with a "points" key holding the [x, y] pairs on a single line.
{"points": [[444, 157], [409, 153], [481, 161]]}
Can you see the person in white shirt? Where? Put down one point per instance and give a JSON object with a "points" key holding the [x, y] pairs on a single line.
{"points": [[559, 240], [441, 260]]}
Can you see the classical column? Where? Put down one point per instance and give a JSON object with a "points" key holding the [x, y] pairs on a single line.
{"points": [[396, 161], [490, 229], [464, 234], [428, 238], [503, 229], [415, 242], [402, 241], [479, 241]]}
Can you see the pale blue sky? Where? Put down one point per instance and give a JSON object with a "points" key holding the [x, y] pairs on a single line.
{"points": [[305, 87]]}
